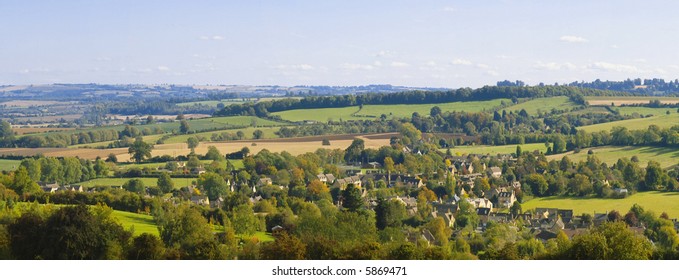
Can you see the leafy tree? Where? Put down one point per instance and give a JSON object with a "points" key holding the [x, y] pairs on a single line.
{"points": [[150, 120], [193, 162], [192, 142], [286, 247], [165, 183], [184, 127], [140, 150], [185, 229], [537, 184], [214, 185], [351, 198], [112, 158], [655, 177], [22, 183], [146, 247], [244, 220], [135, 185], [389, 213], [354, 151], [213, 154], [257, 134], [240, 135], [467, 216]]}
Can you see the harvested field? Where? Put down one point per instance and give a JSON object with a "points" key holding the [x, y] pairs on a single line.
{"points": [[628, 100]]}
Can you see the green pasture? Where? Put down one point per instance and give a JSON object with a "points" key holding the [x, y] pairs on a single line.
{"points": [[662, 121], [407, 110], [657, 202], [320, 115], [494, 150], [534, 106], [667, 157], [9, 164]]}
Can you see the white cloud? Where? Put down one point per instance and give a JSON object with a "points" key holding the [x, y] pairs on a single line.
{"points": [[459, 61], [553, 66], [303, 67], [163, 68], [492, 73], [641, 60], [615, 46], [449, 9], [399, 64], [430, 63], [673, 66], [573, 39], [385, 53], [482, 66], [605, 66], [355, 66], [213, 37]]}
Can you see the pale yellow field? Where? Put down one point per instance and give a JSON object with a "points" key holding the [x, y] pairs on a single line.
{"points": [[621, 100], [294, 146]]}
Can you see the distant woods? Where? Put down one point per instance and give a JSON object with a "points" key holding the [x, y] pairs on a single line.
{"points": [[262, 109]]}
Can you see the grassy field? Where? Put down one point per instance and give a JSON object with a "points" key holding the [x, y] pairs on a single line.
{"points": [[658, 202], [617, 100], [543, 104], [320, 115], [141, 223], [178, 182], [636, 124], [406, 110], [493, 150], [374, 111], [195, 124], [667, 157], [8, 164], [644, 111]]}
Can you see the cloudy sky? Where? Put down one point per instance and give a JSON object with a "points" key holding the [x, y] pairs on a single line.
{"points": [[411, 43]]}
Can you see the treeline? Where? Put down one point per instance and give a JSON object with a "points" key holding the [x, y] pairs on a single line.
{"points": [[65, 139], [638, 86], [263, 109]]}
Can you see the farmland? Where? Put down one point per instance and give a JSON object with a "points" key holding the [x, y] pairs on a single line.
{"points": [[628, 100], [534, 106], [667, 157], [407, 110], [493, 150], [141, 223], [657, 202], [8, 164], [661, 121], [321, 115], [268, 133]]}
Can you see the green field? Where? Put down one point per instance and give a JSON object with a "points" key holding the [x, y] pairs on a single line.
{"points": [[320, 115], [8, 164], [178, 182], [140, 222], [543, 104], [227, 102], [661, 121], [658, 202], [667, 157], [644, 111], [493, 150], [406, 110]]}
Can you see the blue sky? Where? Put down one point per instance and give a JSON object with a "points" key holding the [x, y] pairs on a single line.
{"points": [[411, 43]]}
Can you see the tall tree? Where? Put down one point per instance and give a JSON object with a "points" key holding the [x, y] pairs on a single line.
{"points": [[192, 142], [165, 183], [140, 150], [351, 198], [184, 127]]}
